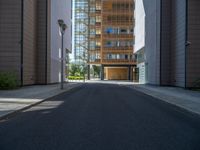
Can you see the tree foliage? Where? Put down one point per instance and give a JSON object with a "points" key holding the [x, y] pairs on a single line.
{"points": [[77, 69], [97, 70]]}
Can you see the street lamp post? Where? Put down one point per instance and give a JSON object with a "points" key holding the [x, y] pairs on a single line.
{"points": [[62, 27]]}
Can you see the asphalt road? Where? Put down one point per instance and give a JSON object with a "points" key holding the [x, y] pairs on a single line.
{"points": [[101, 117]]}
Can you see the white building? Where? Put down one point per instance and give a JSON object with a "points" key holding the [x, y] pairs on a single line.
{"points": [[139, 46]]}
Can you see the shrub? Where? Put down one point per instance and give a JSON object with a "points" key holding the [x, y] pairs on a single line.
{"points": [[196, 83], [76, 78], [8, 81]]}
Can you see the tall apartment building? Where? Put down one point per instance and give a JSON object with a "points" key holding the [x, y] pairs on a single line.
{"points": [[107, 36], [30, 41], [80, 29], [172, 47]]}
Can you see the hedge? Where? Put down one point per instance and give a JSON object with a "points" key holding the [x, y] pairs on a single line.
{"points": [[75, 78]]}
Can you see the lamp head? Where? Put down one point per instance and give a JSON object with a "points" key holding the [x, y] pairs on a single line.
{"points": [[64, 27], [60, 22], [68, 51]]}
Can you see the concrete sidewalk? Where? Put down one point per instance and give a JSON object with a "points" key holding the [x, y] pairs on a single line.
{"points": [[185, 99], [12, 101]]}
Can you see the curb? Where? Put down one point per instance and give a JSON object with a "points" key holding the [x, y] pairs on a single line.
{"points": [[14, 113]]}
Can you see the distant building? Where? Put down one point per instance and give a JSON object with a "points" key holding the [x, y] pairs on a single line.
{"points": [[139, 47], [172, 47], [104, 35], [30, 41], [80, 30]]}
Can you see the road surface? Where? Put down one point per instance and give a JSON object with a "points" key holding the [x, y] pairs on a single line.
{"points": [[101, 117]]}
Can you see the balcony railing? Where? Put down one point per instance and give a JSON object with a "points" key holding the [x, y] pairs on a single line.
{"points": [[97, 48], [118, 23], [125, 36], [118, 48], [121, 61], [95, 61]]}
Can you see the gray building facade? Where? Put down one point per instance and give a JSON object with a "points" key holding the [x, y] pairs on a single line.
{"points": [[27, 45], [172, 47]]}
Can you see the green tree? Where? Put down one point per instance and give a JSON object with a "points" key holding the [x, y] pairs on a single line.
{"points": [[83, 69], [74, 69], [97, 70]]}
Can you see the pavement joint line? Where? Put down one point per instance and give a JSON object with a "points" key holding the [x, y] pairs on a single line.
{"points": [[166, 100], [11, 114]]}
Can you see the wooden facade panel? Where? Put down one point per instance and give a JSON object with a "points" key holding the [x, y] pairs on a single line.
{"points": [[41, 41], [116, 73], [10, 36], [193, 50], [32, 45], [29, 44], [178, 42], [166, 43]]}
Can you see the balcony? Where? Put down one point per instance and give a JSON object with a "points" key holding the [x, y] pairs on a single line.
{"points": [[95, 37], [125, 48], [98, 12], [95, 61], [118, 12], [118, 36], [118, 61], [97, 48], [118, 23], [94, 51], [98, 24]]}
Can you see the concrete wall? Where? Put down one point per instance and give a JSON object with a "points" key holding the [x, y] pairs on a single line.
{"points": [[139, 30], [193, 51], [140, 38], [10, 36], [152, 40], [60, 9]]}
